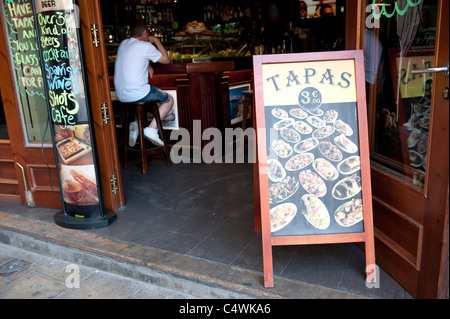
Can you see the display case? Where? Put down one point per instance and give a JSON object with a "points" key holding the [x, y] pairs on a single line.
{"points": [[205, 47], [197, 47]]}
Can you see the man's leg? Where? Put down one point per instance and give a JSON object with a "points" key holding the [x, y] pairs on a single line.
{"points": [[164, 109], [151, 132]]}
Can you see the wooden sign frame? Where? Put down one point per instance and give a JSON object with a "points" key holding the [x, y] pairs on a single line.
{"points": [[278, 79]]}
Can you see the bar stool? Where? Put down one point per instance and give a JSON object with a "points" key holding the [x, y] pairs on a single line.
{"points": [[138, 108]]}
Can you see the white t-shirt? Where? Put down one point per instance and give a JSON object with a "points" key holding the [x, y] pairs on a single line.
{"points": [[131, 69]]}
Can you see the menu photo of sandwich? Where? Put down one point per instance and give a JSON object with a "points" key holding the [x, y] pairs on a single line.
{"points": [[79, 185]]}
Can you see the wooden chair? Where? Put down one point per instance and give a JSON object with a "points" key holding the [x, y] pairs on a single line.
{"points": [[140, 109]]}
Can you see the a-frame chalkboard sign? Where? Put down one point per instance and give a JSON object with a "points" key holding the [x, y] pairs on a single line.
{"points": [[313, 152]]}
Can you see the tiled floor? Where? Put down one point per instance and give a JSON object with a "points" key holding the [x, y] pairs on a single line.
{"points": [[206, 211]]}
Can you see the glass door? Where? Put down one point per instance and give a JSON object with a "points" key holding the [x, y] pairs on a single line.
{"points": [[400, 98], [406, 51]]}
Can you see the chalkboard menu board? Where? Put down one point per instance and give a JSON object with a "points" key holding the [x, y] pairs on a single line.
{"points": [[314, 171], [68, 104], [24, 52]]}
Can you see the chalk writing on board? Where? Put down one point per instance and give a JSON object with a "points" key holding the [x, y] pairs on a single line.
{"points": [[62, 67], [24, 48]]}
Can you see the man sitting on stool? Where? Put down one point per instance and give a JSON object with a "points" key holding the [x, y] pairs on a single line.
{"points": [[132, 69]]}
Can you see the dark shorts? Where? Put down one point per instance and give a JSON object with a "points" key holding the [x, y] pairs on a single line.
{"points": [[156, 94]]}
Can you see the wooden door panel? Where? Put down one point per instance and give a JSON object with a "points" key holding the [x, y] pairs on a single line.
{"points": [[42, 179], [7, 170], [9, 186], [398, 231], [399, 195], [395, 265], [9, 189]]}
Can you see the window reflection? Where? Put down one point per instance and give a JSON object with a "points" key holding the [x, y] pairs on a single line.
{"points": [[400, 101]]}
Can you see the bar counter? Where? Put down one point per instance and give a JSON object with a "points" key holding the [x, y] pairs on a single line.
{"points": [[202, 91]]}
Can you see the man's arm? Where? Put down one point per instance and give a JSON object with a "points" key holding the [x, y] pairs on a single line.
{"points": [[164, 59], [150, 71]]}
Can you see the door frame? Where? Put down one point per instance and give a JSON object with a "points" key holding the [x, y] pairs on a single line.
{"points": [[100, 95], [437, 177]]}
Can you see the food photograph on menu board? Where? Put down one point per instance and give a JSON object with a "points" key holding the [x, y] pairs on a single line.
{"points": [[74, 143], [313, 159], [79, 185]]}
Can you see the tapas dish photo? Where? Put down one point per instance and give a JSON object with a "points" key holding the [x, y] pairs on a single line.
{"points": [[345, 144], [343, 128], [282, 149], [349, 213], [299, 161], [275, 170], [302, 127], [283, 123], [413, 138], [330, 151], [317, 112], [312, 183], [316, 212], [315, 121], [290, 135], [415, 159], [325, 169], [330, 116], [282, 215], [279, 113], [283, 190], [298, 113], [349, 165], [323, 132], [306, 145], [347, 187]]}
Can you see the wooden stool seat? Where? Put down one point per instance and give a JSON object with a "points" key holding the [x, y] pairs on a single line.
{"points": [[138, 108]]}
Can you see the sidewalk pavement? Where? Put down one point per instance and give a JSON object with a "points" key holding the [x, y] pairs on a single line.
{"points": [[111, 268], [27, 275]]}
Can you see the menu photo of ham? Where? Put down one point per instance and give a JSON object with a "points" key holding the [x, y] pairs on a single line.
{"points": [[79, 185]]}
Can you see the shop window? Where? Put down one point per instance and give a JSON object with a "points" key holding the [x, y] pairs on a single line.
{"points": [[24, 56], [399, 101]]}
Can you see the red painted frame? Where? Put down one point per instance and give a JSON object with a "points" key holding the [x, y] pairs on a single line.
{"points": [[261, 178]]}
